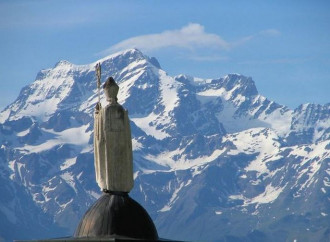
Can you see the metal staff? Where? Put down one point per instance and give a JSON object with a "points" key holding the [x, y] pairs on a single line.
{"points": [[98, 75]]}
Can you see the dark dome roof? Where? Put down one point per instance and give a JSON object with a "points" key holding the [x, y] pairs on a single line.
{"points": [[116, 215]]}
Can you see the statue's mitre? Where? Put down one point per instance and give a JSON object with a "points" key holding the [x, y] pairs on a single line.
{"points": [[111, 88]]}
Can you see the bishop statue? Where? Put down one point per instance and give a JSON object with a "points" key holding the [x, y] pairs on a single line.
{"points": [[112, 143], [114, 215]]}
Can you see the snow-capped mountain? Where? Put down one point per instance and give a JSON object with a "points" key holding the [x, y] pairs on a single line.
{"points": [[213, 159]]}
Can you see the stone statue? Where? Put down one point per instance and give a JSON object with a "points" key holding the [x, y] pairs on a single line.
{"points": [[112, 143]]}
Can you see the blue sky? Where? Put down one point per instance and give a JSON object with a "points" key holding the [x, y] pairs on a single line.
{"points": [[283, 45]]}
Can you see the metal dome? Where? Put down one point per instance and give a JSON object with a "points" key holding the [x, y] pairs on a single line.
{"points": [[116, 215]]}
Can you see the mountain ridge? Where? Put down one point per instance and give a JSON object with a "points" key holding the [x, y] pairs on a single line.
{"points": [[206, 151]]}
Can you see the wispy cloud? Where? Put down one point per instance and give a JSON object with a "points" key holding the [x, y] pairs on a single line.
{"points": [[189, 37], [277, 61], [263, 33]]}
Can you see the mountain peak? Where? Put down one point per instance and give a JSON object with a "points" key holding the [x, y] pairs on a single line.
{"points": [[129, 56], [63, 63], [245, 84], [129, 53]]}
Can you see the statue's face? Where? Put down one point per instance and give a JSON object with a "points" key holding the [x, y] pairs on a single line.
{"points": [[111, 92]]}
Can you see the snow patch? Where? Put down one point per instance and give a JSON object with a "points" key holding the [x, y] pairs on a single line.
{"points": [[23, 133], [145, 124], [4, 115], [94, 194], [64, 205], [268, 196], [326, 182], [167, 159], [169, 91], [68, 163], [74, 136], [173, 198], [136, 145], [69, 179]]}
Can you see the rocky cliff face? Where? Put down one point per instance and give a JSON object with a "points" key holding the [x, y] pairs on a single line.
{"points": [[213, 159]]}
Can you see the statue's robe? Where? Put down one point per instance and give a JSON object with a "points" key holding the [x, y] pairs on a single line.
{"points": [[113, 149]]}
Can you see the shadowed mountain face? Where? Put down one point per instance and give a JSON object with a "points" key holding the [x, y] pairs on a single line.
{"points": [[213, 159]]}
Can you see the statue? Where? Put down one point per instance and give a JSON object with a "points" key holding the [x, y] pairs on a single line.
{"points": [[114, 216], [112, 143]]}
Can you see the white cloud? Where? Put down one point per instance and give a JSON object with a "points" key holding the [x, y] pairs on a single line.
{"points": [[202, 46], [190, 36], [265, 33]]}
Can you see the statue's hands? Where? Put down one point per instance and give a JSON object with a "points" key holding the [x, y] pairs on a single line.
{"points": [[98, 106]]}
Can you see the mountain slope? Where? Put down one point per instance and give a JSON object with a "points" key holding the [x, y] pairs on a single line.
{"points": [[210, 155]]}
